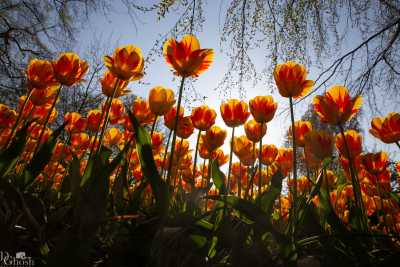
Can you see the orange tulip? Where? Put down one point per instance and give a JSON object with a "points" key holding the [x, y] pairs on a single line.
{"points": [[113, 137], [185, 128], [242, 146], [157, 140], [263, 108], [374, 163], [108, 83], [80, 141], [248, 156], [69, 69], [220, 156], [40, 113], [40, 97], [284, 159], [290, 78], [354, 142], [301, 129], [181, 148], [336, 107], [169, 117], [203, 117], [40, 74], [268, 154], [387, 129], [234, 112], [161, 100], [312, 161], [141, 109], [186, 57], [93, 119], [214, 138], [320, 144], [7, 117], [203, 150], [117, 111], [126, 63], [254, 130], [76, 123]]}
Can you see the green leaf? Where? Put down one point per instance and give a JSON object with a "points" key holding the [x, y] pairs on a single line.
{"points": [[218, 177], [10, 156], [120, 189], [149, 168], [42, 157], [199, 240], [71, 183], [268, 197]]}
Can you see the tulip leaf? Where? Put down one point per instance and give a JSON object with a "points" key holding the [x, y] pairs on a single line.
{"points": [[71, 183], [268, 197], [42, 157], [120, 188], [218, 177], [10, 156], [149, 168]]}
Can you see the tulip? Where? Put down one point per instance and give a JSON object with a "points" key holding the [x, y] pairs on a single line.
{"points": [[263, 108], [268, 154], [69, 69], [336, 107], [214, 138], [40, 74], [254, 130], [242, 146], [117, 111], [285, 160], [188, 60], [320, 143], [186, 57], [76, 124], [161, 100], [234, 112], [387, 129], [353, 140], [7, 117], [141, 110], [113, 137], [375, 163], [219, 156], [290, 78], [40, 97], [301, 129], [126, 63], [185, 128], [113, 87], [93, 119], [203, 118], [169, 118]]}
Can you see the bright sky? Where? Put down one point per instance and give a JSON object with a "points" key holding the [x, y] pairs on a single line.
{"points": [[118, 29]]}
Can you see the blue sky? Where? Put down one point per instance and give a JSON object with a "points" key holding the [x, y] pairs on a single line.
{"points": [[118, 29]]}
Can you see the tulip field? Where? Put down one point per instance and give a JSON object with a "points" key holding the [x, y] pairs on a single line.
{"points": [[125, 185]]}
